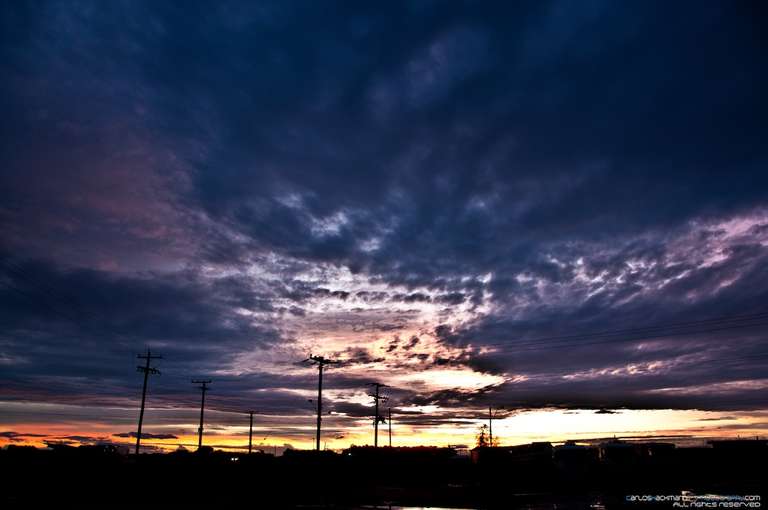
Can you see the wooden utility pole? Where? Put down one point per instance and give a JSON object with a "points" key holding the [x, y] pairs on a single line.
{"points": [[491, 416], [490, 425], [203, 388], [147, 370], [320, 361], [389, 419], [377, 417], [250, 432]]}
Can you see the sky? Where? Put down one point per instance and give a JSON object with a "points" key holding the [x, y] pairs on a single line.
{"points": [[555, 209]]}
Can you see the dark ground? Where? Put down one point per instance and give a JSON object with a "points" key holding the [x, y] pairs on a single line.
{"points": [[96, 477]]}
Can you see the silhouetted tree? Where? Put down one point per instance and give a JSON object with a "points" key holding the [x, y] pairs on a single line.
{"points": [[482, 437]]}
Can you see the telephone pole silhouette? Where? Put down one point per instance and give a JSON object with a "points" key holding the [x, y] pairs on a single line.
{"points": [[490, 425], [389, 418], [321, 362], [203, 388], [491, 416], [147, 370], [250, 432], [376, 399]]}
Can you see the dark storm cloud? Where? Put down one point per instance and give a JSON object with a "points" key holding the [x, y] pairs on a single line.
{"points": [[511, 159], [70, 331]]}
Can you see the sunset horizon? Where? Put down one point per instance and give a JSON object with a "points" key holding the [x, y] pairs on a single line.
{"points": [[271, 226]]}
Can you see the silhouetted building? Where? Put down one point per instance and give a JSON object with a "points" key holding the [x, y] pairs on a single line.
{"points": [[572, 459], [524, 454], [400, 453], [618, 453], [657, 450], [740, 446]]}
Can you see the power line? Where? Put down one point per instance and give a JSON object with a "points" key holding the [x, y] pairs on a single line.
{"points": [[42, 293], [719, 361], [537, 345], [724, 318], [46, 295], [718, 324]]}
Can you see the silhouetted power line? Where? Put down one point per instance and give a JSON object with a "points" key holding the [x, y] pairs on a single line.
{"points": [[146, 369], [571, 368], [642, 333], [203, 388], [321, 362], [533, 346]]}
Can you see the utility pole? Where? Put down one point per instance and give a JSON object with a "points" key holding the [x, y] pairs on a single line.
{"points": [[250, 433], [376, 398], [147, 370], [203, 388], [491, 416], [490, 425], [389, 418], [320, 361]]}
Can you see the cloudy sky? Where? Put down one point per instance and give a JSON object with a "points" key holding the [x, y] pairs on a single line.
{"points": [[559, 208]]}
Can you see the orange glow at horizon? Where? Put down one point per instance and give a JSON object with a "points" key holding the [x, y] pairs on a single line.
{"points": [[524, 427]]}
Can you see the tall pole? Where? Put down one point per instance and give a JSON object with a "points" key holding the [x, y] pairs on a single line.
{"points": [[203, 388], [389, 419], [377, 417], [250, 432], [320, 362], [490, 426], [376, 420], [147, 370], [319, 405]]}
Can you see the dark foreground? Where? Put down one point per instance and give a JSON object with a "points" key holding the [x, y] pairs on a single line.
{"points": [[531, 476]]}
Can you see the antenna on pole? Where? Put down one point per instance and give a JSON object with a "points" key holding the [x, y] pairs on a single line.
{"points": [[146, 369], [203, 388], [321, 362], [377, 417]]}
